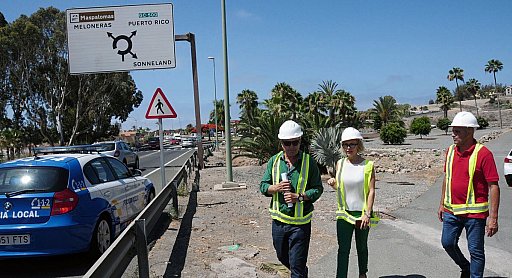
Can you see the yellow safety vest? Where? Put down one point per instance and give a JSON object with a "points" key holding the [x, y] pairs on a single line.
{"points": [[341, 213], [298, 217], [471, 206]]}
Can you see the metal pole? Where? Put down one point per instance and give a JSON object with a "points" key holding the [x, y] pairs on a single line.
{"points": [[142, 248], [162, 166], [215, 103], [191, 39], [227, 125]]}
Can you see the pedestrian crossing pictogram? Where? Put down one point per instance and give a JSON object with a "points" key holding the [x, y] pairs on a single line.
{"points": [[159, 107]]}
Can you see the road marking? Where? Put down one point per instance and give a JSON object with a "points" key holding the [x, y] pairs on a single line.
{"points": [[496, 260], [158, 169]]}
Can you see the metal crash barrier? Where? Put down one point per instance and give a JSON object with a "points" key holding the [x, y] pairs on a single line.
{"points": [[132, 241]]}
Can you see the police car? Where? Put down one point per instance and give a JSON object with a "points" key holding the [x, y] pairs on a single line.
{"points": [[67, 200]]}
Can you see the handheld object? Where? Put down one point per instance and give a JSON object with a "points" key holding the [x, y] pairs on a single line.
{"points": [[284, 177]]}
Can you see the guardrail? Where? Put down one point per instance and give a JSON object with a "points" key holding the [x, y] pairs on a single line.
{"points": [[132, 241], [118, 256]]}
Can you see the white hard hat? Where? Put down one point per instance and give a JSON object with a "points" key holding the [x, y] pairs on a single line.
{"points": [[289, 130], [351, 133], [466, 119]]}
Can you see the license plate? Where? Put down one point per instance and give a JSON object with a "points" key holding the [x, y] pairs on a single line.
{"points": [[14, 239]]}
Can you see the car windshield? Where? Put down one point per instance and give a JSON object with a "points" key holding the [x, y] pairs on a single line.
{"points": [[107, 146], [48, 179], [154, 139]]}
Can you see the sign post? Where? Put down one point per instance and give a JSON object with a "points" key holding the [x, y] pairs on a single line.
{"points": [[160, 108]]}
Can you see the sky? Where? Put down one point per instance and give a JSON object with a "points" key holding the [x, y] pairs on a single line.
{"points": [[402, 48]]}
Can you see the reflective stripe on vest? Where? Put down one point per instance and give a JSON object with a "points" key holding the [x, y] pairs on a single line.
{"points": [[471, 206], [298, 217], [341, 213]]}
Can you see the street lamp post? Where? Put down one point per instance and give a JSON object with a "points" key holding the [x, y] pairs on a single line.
{"points": [[215, 103]]}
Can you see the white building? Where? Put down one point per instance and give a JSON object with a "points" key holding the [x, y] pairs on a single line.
{"points": [[508, 91]]}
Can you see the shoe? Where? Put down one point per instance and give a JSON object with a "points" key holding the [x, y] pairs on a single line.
{"points": [[465, 274], [362, 275]]}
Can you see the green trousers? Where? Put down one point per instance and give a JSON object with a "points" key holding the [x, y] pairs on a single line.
{"points": [[344, 231]]}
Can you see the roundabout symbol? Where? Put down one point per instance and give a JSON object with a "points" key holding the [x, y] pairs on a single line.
{"points": [[128, 42]]}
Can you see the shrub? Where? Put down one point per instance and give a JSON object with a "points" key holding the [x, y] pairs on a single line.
{"points": [[443, 124], [393, 133], [420, 126], [482, 122]]}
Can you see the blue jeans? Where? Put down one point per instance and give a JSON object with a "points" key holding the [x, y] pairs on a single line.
{"points": [[475, 232], [291, 243]]}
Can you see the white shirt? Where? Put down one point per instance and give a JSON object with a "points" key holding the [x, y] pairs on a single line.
{"points": [[353, 181]]}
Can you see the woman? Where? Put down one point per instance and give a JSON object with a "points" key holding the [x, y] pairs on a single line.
{"points": [[355, 192]]}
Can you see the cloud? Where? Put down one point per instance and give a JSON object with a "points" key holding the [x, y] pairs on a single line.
{"points": [[243, 14]]}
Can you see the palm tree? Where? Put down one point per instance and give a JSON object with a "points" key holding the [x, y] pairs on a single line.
{"points": [[219, 106], [248, 101], [473, 86], [344, 107], [327, 90], [385, 109], [495, 66], [325, 148], [457, 74], [445, 98], [284, 100]]}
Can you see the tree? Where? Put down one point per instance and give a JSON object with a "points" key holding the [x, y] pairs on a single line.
{"points": [[385, 108], [473, 86], [443, 124], [457, 74], [494, 66], [248, 101], [393, 133], [284, 101], [420, 126], [325, 148], [263, 143], [219, 106], [445, 98]]}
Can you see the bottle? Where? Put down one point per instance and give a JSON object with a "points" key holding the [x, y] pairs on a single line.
{"points": [[284, 177]]}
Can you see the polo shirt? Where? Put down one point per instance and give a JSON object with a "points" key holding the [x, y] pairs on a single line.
{"points": [[485, 172]]}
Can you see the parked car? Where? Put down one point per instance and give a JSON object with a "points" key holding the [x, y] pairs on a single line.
{"points": [[507, 168], [121, 151], [154, 143], [67, 201]]}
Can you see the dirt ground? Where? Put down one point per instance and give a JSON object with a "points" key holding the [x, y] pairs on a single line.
{"points": [[232, 228]]}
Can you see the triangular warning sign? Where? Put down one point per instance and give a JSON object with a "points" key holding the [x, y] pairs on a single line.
{"points": [[159, 107]]}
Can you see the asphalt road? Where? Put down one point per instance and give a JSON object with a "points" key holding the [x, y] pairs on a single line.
{"points": [[76, 265], [410, 245]]}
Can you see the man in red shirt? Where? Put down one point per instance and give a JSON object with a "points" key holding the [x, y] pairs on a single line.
{"points": [[470, 178]]}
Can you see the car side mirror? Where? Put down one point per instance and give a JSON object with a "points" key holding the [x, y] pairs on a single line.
{"points": [[136, 172]]}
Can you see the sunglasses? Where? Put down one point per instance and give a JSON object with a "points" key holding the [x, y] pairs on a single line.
{"points": [[288, 143], [351, 145]]}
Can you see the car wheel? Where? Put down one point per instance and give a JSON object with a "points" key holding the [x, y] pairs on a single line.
{"points": [[151, 196], [508, 178], [101, 238], [136, 164]]}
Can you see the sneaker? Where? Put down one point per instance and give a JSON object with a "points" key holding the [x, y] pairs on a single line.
{"points": [[465, 274]]}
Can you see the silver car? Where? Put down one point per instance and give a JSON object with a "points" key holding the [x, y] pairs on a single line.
{"points": [[121, 151]]}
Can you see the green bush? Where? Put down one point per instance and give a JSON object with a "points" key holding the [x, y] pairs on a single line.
{"points": [[482, 122], [420, 126], [393, 133], [443, 124]]}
